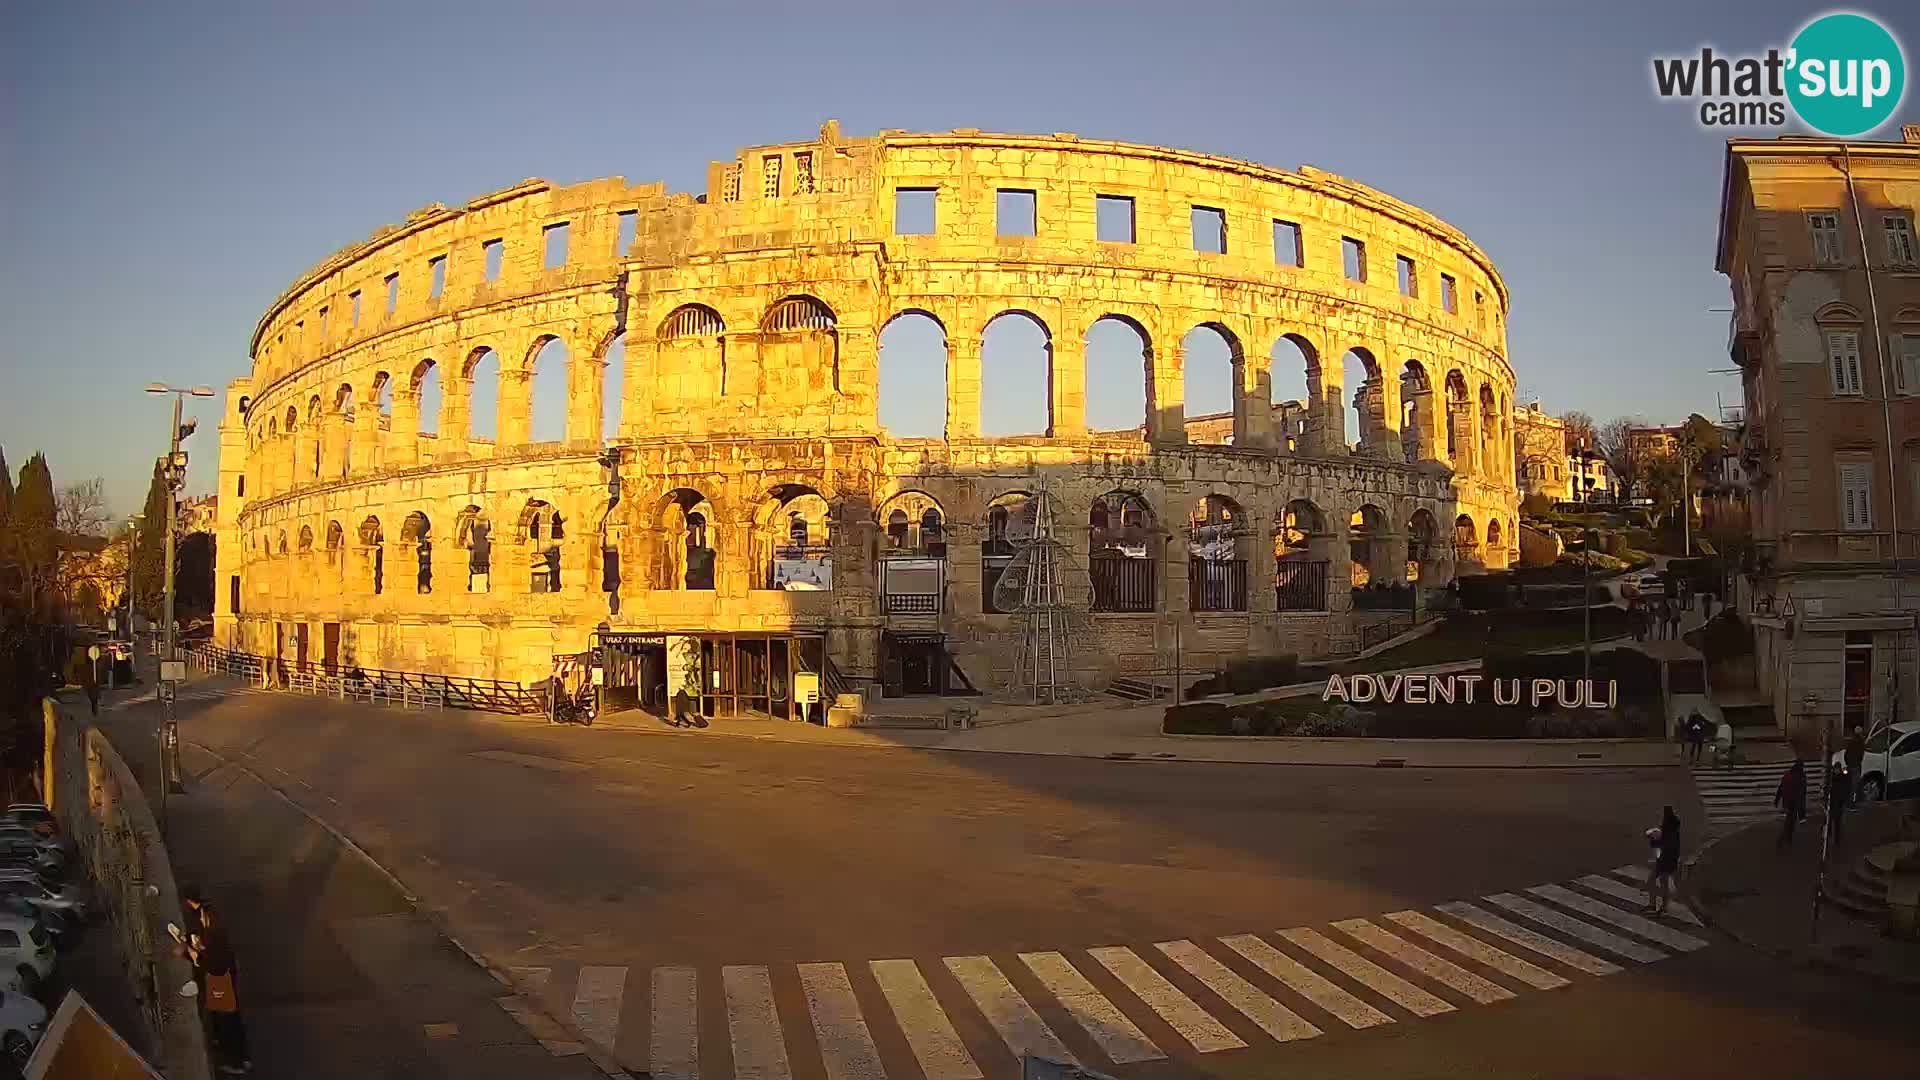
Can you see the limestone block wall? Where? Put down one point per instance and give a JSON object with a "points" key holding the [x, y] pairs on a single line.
{"points": [[746, 324]]}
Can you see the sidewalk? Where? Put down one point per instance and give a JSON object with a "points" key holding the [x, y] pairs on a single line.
{"points": [[1764, 898]]}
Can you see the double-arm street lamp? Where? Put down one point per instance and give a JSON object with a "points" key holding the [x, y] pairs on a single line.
{"points": [[175, 472]]}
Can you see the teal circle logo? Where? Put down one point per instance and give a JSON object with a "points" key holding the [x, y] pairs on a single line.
{"points": [[1848, 75]]}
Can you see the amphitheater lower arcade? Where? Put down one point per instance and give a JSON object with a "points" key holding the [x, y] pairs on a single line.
{"points": [[724, 472]]}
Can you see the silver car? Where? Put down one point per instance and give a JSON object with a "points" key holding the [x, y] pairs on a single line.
{"points": [[66, 899], [22, 1022], [26, 952]]}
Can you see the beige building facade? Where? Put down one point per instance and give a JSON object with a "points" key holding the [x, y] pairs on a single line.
{"points": [[1540, 453], [1816, 239], [747, 499]]}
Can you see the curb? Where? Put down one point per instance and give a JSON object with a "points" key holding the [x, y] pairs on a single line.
{"points": [[601, 1059]]}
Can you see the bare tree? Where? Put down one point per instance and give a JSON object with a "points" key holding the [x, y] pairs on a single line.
{"points": [[81, 509], [1580, 429], [1615, 442], [80, 519]]}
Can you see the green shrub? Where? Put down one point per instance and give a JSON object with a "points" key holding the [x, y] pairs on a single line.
{"points": [[1248, 674], [1198, 718]]}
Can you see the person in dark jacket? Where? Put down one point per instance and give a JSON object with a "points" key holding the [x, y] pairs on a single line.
{"points": [[1666, 861], [1696, 737], [1791, 798], [1855, 755], [213, 962]]}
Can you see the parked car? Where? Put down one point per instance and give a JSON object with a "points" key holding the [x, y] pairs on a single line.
{"points": [[65, 899], [1891, 767], [14, 831], [26, 952], [55, 923], [35, 815], [1649, 586], [22, 1022], [22, 853]]}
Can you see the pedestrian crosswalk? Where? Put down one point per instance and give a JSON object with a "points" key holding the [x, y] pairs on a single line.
{"points": [[189, 692], [973, 1017], [1738, 795]]}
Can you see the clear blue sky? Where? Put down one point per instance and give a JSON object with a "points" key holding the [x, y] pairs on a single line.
{"points": [[168, 169]]}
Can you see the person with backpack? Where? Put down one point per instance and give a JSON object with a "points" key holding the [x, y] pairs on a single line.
{"points": [[1696, 735]]}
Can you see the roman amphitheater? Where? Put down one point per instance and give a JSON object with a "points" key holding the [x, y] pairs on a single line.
{"points": [[725, 500]]}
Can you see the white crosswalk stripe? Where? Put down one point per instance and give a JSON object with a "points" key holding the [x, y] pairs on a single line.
{"points": [[1482, 919], [1367, 973], [1306, 982], [1586, 932], [1275, 1019], [846, 1046], [1019, 1026], [1625, 920], [1445, 972], [929, 1033], [1466, 945], [759, 1048], [1194, 1024], [1621, 891], [1742, 794], [674, 1050], [1119, 1039], [596, 1002]]}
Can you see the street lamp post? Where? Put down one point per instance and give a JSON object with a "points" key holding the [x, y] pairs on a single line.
{"points": [[170, 673]]}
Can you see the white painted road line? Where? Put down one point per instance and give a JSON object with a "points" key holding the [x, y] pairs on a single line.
{"points": [[935, 1044], [1621, 891], [1585, 931], [1194, 1024], [1019, 1026], [1473, 948], [674, 1046], [1445, 972], [1274, 1018], [1306, 982], [1367, 973], [759, 1049], [846, 1046], [1646, 928], [1482, 919], [1119, 1039], [596, 1003]]}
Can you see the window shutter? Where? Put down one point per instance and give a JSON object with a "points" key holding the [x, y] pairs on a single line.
{"points": [[1899, 364], [1856, 505], [1907, 348], [1843, 349]]}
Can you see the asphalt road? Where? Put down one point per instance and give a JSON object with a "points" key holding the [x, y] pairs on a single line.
{"points": [[593, 860]]}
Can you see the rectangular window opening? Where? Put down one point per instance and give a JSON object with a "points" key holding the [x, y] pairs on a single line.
{"points": [[1825, 227], [555, 236], [323, 324], [629, 224], [1014, 212], [1408, 274], [492, 253], [914, 211], [770, 176], [1899, 228], [1843, 362], [1480, 308], [354, 315], [1906, 353], [803, 173], [1286, 243], [437, 272], [1209, 230], [1856, 495], [1113, 219], [393, 292], [1449, 294], [1353, 256]]}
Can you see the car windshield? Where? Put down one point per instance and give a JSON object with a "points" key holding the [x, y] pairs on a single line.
{"points": [[1879, 741], [37, 935]]}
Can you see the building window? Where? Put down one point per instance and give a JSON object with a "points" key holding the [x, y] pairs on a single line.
{"points": [[1899, 229], [730, 184], [1856, 495], [1286, 243], [393, 292], [1843, 361], [627, 223], [233, 593], [437, 273], [1480, 309], [353, 316], [1906, 362], [492, 253], [1113, 219], [323, 324], [770, 176], [555, 236], [803, 174], [1825, 227], [1449, 294], [1014, 213], [1353, 257], [240, 485], [1408, 274], [913, 211], [1209, 230]]}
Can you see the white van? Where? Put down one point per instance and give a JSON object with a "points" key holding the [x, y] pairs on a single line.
{"points": [[1891, 767]]}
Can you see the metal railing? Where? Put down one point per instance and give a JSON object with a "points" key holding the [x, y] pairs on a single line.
{"points": [[1217, 584], [1121, 583], [1300, 585], [408, 689]]}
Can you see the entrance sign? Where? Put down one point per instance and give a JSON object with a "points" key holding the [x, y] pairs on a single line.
{"points": [[173, 670]]}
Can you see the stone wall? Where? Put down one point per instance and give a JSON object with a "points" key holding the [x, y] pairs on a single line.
{"points": [[749, 321]]}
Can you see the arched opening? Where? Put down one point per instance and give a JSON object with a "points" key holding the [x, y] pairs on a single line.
{"points": [[613, 387], [316, 436], [913, 377], [1490, 433], [799, 349], [543, 529], [1459, 420], [1016, 372], [1366, 417], [336, 540], [1210, 362], [280, 542], [793, 536], [1301, 549], [345, 408], [694, 352], [548, 385], [1466, 543], [1416, 412], [483, 397], [1008, 529], [913, 551], [1367, 545], [417, 530], [296, 468], [1116, 390], [426, 383], [1421, 553], [306, 540], [686, 558], [1495, 539], [1218, 543], [373, 543], [1295, 381], [473, 533], [1121, 553]]}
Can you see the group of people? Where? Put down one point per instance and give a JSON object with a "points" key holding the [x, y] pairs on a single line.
{"points": [[1659, 617], [1694, 731], [204, 943], [1790, 797]]}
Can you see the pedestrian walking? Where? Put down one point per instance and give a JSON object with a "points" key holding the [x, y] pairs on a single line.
{"points": [[1706, 606], [1839, 793], [1637, 619], [1673, 623], [213, 962], [90, 681], [1696, 734], [1791, 798], [1665, 841], [1855, 755], [1723, 742]]}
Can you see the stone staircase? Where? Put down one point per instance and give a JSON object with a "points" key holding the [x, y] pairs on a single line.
{"points": [[1137, 689], [1862, 891]]}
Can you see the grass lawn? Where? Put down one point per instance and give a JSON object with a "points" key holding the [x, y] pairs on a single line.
{"points": [[1472, 637]]}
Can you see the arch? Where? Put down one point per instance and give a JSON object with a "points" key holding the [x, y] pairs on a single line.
{"points": [[1836, 312], [1008, 526], [694, 349], [280, 542], [1016, 374], [1416, 412], [482, 374], [273, 427], [1219, 541], [1293, 367], [1494, 534], [1211, 359], [429, 398], [1421, 552], [473, 533], [799, 349], [382, 392], [1459, 415], [542, 527], [416, 527], [336, 541], [1119, 366], [293, 419], [797, 313], [313, 410], [1365, 416], [1302, 557], [1490, 438], [613, 386], [550, 371], [306, 539], [793, 535], [691, 321], [1122, 553], [1367, 533], [912, 523], [686, 557], [913, 376], [1466, 537]]}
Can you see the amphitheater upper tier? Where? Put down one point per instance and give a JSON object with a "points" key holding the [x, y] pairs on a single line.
{"points": [[743, 482]]}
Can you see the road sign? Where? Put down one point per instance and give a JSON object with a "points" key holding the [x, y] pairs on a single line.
{"points": [[806, 687], [167, 692], [173, 670], [93, 652]]}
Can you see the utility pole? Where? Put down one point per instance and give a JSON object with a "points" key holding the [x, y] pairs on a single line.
{"points": [[1586, 605], [171, 669]]}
